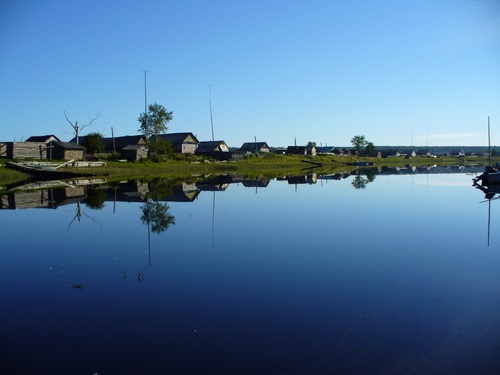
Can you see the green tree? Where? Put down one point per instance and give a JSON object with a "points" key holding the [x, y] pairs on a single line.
{"points": [[154, 122], [359, 141], [95, 199], [311, 144], [94, 142], [156, 216], [370, 149]]}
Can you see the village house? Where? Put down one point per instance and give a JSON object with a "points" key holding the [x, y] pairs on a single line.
{"points": [[208, 147], [183, 143], [301, 150], [250, 147], [130, 147], [41, 147]]}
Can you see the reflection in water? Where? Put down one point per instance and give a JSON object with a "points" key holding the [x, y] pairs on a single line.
{"points": [[95, 199], [79, 214], [156, 216], [327, 291]]}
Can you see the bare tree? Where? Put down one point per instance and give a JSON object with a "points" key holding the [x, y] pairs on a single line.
{"points": [[77, 128]]}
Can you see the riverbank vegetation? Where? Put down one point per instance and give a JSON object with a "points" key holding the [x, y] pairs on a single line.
{"points": [[270, 165]]}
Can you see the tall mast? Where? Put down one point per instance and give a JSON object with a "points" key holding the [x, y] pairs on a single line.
{"points": [[210, 105], [145, 93], [489, 143]]}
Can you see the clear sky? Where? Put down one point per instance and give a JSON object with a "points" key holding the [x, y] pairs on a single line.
{"points": [[421, 72]]}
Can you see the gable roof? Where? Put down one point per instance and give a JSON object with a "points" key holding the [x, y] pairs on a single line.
{"points": [[252, 146], [209, 146], [69, 145], [179, 138], [42, 138], [120, 142]]}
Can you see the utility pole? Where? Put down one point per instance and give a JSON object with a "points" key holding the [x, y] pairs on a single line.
{"points": [[210, 105]]}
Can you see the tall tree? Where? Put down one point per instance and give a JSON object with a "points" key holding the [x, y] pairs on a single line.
{"points": [[78, 128], [359, 141], [154, 122], [94, 142], [370, 149]]}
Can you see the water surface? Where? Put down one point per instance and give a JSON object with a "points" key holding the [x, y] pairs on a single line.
{"points": [[383, 274]]}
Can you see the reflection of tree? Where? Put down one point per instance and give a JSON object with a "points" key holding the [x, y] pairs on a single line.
{"points": [[370, 174], [79, 214], [359, 182], [156, 216], [95, 199]]}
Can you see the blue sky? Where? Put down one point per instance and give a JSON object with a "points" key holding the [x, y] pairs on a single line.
{"points": [[425, 72]]}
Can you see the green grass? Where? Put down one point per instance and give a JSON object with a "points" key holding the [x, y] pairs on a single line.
{"points": [[270, 166]]}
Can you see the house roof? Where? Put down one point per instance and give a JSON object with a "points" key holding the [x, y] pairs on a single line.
{"points": [[120, 142], [178, 138], [69, 145], [296, 149], [251, 146], [209, 146], [134, 147], [42, 138]]}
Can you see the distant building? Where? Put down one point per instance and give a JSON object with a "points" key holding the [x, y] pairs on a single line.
{"points": [[183, 143], [254, 147], [208, 147]]}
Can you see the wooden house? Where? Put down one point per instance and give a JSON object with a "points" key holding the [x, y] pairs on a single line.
{"points": [[209, 147], [183, 143], [296, 150], [43, 138], [250, 147], [130, 147], [24, 150], [134, 152], [66, 150], [35, 147], [301, 150]]}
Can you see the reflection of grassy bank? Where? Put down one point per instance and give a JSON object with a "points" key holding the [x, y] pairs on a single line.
{"points": [[270, 166]]}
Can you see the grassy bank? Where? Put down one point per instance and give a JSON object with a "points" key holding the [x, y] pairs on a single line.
{"points": [[270, 166]]}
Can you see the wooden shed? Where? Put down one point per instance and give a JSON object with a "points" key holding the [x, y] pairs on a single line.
{"points": [[66, 150], [134, 152]]}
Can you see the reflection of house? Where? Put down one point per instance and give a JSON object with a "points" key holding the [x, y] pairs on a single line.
{"points": [[255, 183], [42, 198], [184, 143], [255, 147]]}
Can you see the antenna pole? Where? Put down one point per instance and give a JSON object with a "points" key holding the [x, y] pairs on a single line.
{"points": [[489, 142], [145, 92], [210, 105]]}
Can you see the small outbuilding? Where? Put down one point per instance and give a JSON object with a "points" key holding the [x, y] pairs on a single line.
{"points": [[66, 151]]}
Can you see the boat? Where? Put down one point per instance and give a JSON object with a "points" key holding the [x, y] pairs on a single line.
{"points": [[46, 171], [491, 175]]}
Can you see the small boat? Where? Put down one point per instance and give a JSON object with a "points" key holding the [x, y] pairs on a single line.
{"points": [[491, 175], [46, 171]]}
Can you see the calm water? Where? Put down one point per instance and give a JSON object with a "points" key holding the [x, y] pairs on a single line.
{"points": [[297, 276]]}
